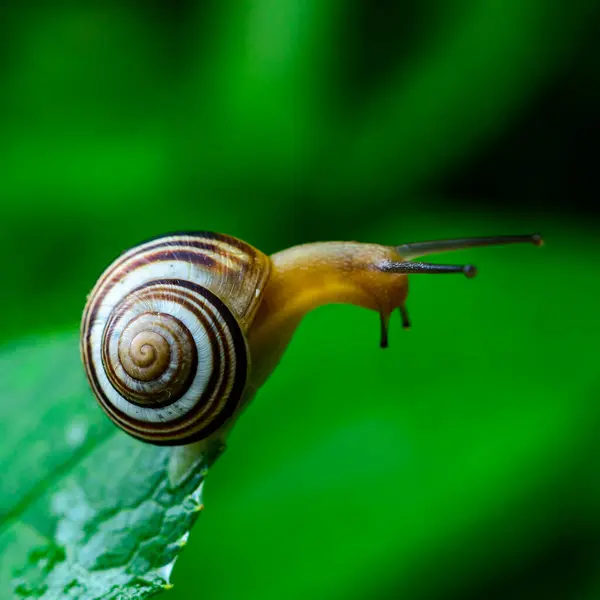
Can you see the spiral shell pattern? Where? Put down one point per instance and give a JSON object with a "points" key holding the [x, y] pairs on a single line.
{"points": [[164, 352]]}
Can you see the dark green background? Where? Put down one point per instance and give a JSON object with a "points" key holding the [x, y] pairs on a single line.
{"points": [[461, 462]]}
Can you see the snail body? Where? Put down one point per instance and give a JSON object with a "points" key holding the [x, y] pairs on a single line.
{"points": [[179, 332]]}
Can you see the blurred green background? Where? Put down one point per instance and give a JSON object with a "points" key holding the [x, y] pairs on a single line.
{"points": [[461, 462]]}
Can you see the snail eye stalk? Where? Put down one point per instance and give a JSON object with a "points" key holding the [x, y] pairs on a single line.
{"points": [[418, 249], [408, 267]]}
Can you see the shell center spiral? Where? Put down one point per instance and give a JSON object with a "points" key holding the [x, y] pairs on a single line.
{"points": [[145, 355], [156, 357]]}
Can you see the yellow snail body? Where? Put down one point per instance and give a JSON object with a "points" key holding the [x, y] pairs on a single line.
{"points": [[179, 332]]}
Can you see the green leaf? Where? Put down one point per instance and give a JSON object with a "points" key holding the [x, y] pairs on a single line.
{"points": [[86, 511]]}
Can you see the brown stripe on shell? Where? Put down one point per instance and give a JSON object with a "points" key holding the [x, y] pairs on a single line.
{"points": [[149, 430], [186, 300], [238, 371], [197, 428], [243, 300], [115, 274], [203, 241], [187, 428], [207, 406], [139, 397], [200, 236], [166, 243], [191, 303]]}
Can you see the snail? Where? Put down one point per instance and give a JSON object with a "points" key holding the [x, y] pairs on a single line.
{"points": [[180, 331]]}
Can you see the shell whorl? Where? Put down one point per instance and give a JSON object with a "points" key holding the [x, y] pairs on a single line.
{"points": [[163, 334]]}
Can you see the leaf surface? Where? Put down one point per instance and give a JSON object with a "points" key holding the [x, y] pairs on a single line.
{"points": [[86, 511]]}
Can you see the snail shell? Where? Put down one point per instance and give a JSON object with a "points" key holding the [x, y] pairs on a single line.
{"points": [[163, 334]]}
